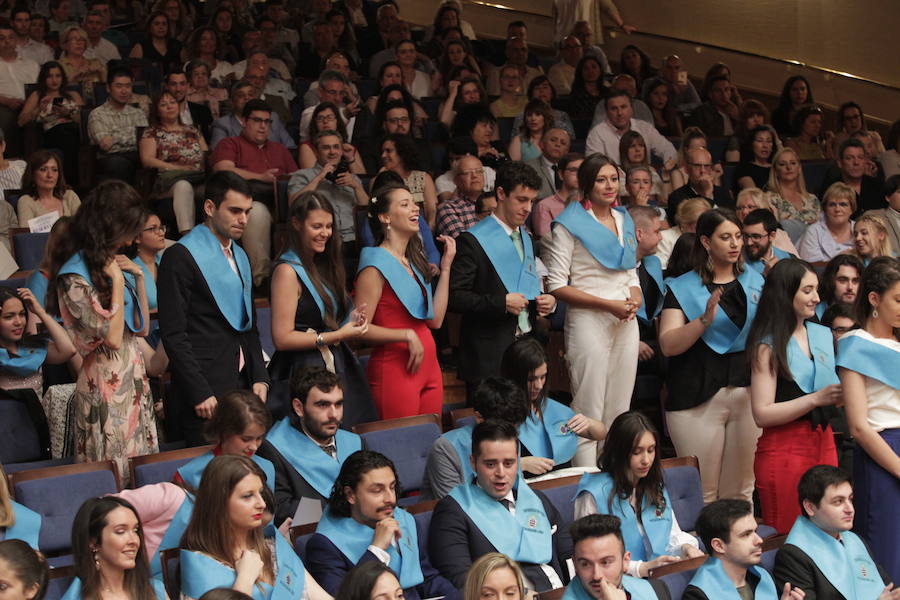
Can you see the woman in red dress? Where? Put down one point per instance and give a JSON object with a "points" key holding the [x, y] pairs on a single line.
{"points": [[393, 287]]}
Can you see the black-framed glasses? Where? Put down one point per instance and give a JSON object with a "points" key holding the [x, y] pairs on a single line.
{"points": [[156, 229], [260, 120]]}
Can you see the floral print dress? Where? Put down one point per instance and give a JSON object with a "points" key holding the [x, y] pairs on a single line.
{"points": [[112, 404]]}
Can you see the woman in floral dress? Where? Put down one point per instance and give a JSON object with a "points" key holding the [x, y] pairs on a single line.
{"points": [[103, 304]]}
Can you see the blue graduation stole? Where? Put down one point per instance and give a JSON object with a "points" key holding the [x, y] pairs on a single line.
{"points": [[657, 523], [290, 257], [640, 589], [315, 466], [549, 437], [711, 578], [201, 573], [653, 266], [870, 358], [353, 540], [723, 336], [76, 266], [27, 362], [26, 528], [847, 566], [525, 537], [760, 267], [232, 293], [518, 275], [461, 438], [413, 293], [74, 591], [821, 307], [37, 282], [149, 281], [815, 374], [172, 537], [598, 240], [192, 471]]}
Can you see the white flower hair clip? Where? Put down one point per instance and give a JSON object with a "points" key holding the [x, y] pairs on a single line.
{"points": [[373, 199]]}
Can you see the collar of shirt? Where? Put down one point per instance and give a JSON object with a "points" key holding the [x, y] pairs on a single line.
{"points": [[547, 164], [505, 227], [330, 442], [509, 496]]}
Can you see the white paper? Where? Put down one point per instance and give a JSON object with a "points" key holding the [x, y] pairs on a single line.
{"points": [[309, 510], [8, 264], [43, 223]]}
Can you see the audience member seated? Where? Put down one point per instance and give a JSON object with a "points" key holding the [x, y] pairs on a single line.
{"points": [[226, 545], [393, 117], [890, 158], [553, 146], [584, 31], [200, 91], [821, 556], [549, 435], [686, 217], [603, 566], [795, 94], [44, 189], [753, 113], [398, 154], [223, 21], [390, 32], [206, 46], [787, 190], [751, 199], [109, 552], [728, 531], [312, 61], [457, 213], [692, 139], [495, 575], [604, 137], [267, 87], [333, 87], [633, 61], [325, 118], [850, 121], [391, 283], [587, 88], [20, 19], [851, 162], [477, 121], [540, 88], [363, 523], [624, 83], [417, 82], [79, 67], [189, 113], [718, 116], [660, 100], [512, 100], [633, 153], [159, 49], [113, 127], [525, 144], [756, 169], [840, 281], [17, 73], [61, 15], [494, 284], [516, 55], [98, 46], [206, 314], [455, 57], [638, 189], [549, 207], [870, 235], [232, 124], [833, 234], [366, 581], [807, 138], [388, 74], [498, 512], [891, 214], [562, 74], [176, 151], [25, 570], [700, 184], [467, 91], [337, 60], [685, 96]]}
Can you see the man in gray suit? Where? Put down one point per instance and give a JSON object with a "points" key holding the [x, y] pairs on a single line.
{"points": [[554, 145], [891, 214]]}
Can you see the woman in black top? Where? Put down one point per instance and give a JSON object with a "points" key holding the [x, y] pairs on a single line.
{"points": [[159, 48], [705, 320], [756, 163]]}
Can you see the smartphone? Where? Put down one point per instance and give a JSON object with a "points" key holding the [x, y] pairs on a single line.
{"points": [[682, 77], [57, 101]]}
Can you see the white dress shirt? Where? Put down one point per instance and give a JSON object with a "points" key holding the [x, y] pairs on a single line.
{"points": [[604, 138]]}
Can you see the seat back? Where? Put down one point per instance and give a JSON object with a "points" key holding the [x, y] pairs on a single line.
{"points": [[462, 417], [27, 248], [682, 479], [58, 581], [677, 576], [770, 549], [159, 467], [556, 594], [39, 490], [300, 536], [20, 440], [561, 494], [421, 512], [406, 442]]}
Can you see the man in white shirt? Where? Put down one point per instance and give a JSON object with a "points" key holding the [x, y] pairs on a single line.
{"points": [[61, 15], [25, 46], [98, 46], [516, 55], [446, 184], [604, 138], [562, 74], [15, 72], [333, 87]]}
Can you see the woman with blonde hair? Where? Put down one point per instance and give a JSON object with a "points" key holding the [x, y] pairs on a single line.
{"points": [[16, 521], [494, 575], [832, 235], [787, 185], [870, 237], [748, 200], [79, 68], [686, 216]]}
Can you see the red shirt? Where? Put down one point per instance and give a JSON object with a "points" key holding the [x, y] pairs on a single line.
{"points": [[250, 157]]}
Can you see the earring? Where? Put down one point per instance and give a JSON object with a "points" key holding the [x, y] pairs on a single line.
{"points": [[874, 313], [95, 554], [388, 227], [709, 263]]}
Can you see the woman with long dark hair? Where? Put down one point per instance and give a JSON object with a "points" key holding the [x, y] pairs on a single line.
{"points": [[867, 360], [795, 93], [45, 189], [591, 257], [703, 330], [326, 116], [159, 48], [110, 556], [549, 435], [635, 62], [370, 580], [313, 317], [101, 297], [226, 545], [399, 154], [631, 487], [23, 570], [755, 169], [587, 88], [393, 284], [793, 389]]}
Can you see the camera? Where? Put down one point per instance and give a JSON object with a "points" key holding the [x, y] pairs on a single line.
{"points": [[342, 167]]}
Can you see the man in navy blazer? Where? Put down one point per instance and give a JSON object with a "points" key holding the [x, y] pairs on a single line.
{"points": [[363, 523]]}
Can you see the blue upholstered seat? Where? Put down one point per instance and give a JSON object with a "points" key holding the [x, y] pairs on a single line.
{"points": [[686, 493], [407, 446], [157, 472], [28, 249]]}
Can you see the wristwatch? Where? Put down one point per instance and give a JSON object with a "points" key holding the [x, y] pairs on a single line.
{"points": [[320, 341]]}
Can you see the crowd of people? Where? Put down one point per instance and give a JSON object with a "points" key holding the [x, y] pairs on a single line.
{"points": [[408, 203]]}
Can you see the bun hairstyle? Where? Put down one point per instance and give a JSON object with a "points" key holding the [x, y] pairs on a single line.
{"points": [[380, 204], [27, 564]]}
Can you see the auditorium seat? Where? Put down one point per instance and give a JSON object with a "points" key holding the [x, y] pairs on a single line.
{"points": [[461, 417], [561, 493], [682, 478], [770, 549], [406, 442], [26, 247], [300, 536], [24, 436], [161, 466], [39, 490], [59, 580], [677, 576], [421, 512], [171, 571]]}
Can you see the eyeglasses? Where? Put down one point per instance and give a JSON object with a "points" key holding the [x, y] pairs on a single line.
{"points": [[259, 121], [398, 120], [472, 172], [325, 118], [156, 229], [841, 330], [756, 236]]}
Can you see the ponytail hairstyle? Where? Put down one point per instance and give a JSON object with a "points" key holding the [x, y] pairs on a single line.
{"points": [[381, 205], [878, 278]]}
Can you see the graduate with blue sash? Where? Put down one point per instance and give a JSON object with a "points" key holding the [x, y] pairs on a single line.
{"points": [[27, 526], [760, 267], [192, 471], [135, 323], [519, 275], [600, 241], [638, 589], [201, 573], [149, 281], [653, 267], [657, 524], [859, 351], [27, 361], [713, 582], [74, 591], [409, 290], [548, 435]]}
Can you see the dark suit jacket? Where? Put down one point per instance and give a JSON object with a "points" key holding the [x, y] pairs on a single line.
{"points": [[455, 542], [709, 120], [290, 486], [329, 566], [870, 196], [795, 566], [202, 118], [548, 186], [721, 198], [477, 293], [203, 348]]}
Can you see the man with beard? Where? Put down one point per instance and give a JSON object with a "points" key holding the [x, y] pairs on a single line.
{"points": [[363, 523], [759, 228], [839, 281], [308, 447]]}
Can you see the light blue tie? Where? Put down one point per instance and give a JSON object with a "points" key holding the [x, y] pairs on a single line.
{"points": [[524, 325]]}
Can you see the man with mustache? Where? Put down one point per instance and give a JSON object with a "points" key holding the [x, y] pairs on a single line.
{"points": [[308, 447], [363, 523]]}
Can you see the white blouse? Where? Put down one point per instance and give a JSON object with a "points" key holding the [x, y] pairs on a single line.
{"points": [[883, 400]]}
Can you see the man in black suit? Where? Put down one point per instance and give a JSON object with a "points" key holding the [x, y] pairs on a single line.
{"points": [[363, 523], [554, 146], [494, 282], [498, 512], [700, 184], [191, 113], [206, 314], [851, 164], [308, 447]]}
